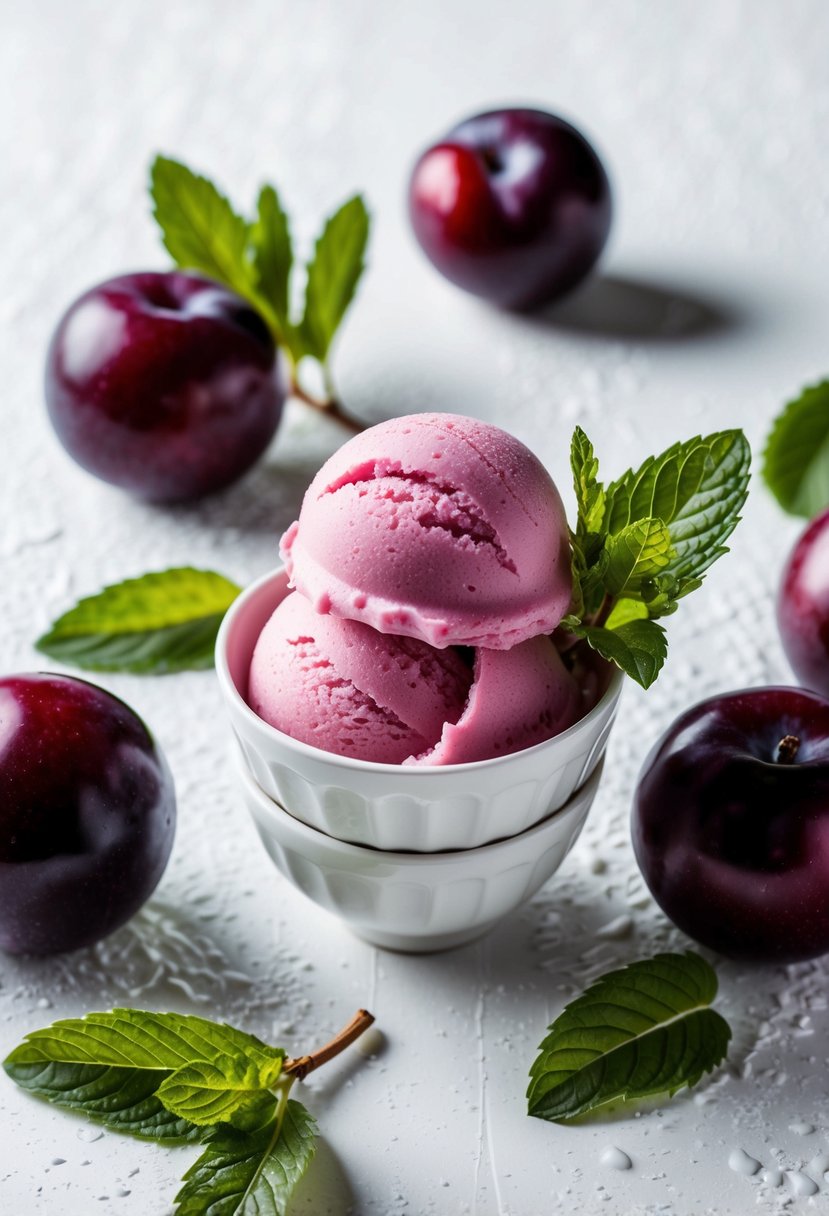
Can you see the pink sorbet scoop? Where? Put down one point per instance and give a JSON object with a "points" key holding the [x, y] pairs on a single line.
{"points": [[435, 526], [518, 698], [342, 687]]}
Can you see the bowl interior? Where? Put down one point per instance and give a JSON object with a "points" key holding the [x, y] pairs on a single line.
{"points": [[245, 621]]}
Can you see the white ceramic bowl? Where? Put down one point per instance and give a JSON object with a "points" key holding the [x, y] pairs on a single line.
{"points": [[387, 806], [413, 901]]}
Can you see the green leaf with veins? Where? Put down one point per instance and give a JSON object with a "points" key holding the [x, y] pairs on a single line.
{"points": [[200, 229], [333, 275], [634, 554], [697, 489], [645, 541], [251, 1174], [138, 1039], [647, 1029], [796, 459], [273, 257], [208, 1092], [122, 1099], [639, 647], [159, 623], [590, 496]]}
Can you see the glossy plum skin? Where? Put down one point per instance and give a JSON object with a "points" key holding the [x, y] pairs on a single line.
{"points": [[512, 205], [803, 606], [87, 813], [163, 384], [732, 840]]}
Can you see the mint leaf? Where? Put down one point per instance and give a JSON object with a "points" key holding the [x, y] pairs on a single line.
{"points": [[273, 258], [639, 647], [200, 229], [138, 1039], [207, 1092], [637, 552], [122, 1099], [796, 459], [590, 496], [644, 1030], [251, 1174], [697, 489], [158, 623], [333, 275]]}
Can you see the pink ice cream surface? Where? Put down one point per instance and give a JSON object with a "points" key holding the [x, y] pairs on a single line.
{"points": [[438, 527], [347, 689], [341, 686], [519, 697]]}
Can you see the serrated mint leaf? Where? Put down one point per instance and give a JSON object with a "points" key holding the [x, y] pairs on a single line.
{"points": [[697, 489], [207, 1092], [625, 610], [590, 497], [635, 553], [162, 622], [252, 1174], [273, 258], [138, 1039], [122, 1099], [200, 229], [638, 1032], [796, 459], [638, 647], [333, 275]]}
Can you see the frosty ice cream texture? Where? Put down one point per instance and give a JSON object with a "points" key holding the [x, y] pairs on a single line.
{"points": [[350, 690], [435, 526], [346, 688], [422, 534]]}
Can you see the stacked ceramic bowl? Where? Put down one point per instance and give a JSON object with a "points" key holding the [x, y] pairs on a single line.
{"points": [[411, 858]]}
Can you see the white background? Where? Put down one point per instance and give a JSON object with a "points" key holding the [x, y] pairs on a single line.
{"points": [[712, 308]]}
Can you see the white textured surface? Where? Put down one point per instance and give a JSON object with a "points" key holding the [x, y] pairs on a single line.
{"points": [[713, 118]]}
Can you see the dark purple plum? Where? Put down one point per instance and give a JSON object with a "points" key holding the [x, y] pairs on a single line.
{"points": [[803, 606], [731, 824], [163, 384], [512, 205], [87, 813]]}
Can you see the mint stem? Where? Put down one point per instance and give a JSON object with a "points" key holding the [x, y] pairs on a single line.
{"points": [[331, 407], [301, 1066]]}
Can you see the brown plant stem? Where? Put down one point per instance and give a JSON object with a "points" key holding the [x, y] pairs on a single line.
{"points": [[301, 1066], [331, 407]]}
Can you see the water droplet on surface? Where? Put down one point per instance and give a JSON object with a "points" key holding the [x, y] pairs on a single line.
{"points": [[741, 1163], [801, 1184], [615, 1158], [89, 1134]]}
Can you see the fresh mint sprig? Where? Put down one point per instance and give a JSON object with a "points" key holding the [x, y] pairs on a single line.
{"points": [[796, 458], [255, 257], [645, 541], [644, 1030], [179, 1078]]}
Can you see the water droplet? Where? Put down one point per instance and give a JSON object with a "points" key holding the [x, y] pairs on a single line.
{"points": [[772, 1177], [801, 1184], [741, 1163], [89, 1134], [615, 1158]]}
